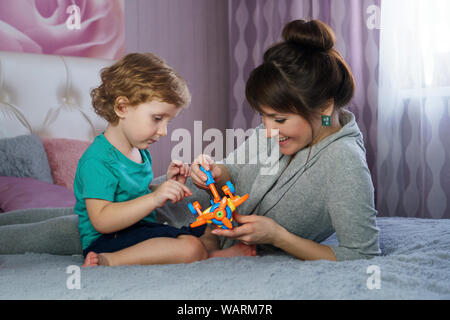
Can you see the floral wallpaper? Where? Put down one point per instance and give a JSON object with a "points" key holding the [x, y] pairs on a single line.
{"points": [[85, 28]]}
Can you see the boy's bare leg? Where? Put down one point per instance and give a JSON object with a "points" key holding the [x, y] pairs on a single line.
{"points": [[183, 249]]}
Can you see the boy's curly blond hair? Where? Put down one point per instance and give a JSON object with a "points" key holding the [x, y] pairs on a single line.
{"points": [[140, 77]]}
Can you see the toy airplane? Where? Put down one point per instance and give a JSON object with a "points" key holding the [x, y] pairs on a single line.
{"points": [[220, 213]]}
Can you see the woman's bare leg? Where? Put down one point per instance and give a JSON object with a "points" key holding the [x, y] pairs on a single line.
{"points": [[211, 243], [239, 249]]}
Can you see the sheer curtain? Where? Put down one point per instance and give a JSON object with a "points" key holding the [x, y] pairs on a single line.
{"points": [[413, 151]]}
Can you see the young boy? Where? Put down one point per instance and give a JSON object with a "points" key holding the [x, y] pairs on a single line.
{"points": [[138, 96]]}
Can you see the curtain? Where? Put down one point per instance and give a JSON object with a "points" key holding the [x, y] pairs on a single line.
{"points": [[413, 158]]}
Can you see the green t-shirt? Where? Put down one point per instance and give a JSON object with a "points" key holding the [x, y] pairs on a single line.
{"points": [[103, 172]]}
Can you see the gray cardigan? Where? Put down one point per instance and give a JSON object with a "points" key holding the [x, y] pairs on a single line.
{"points": [[331, 192]]}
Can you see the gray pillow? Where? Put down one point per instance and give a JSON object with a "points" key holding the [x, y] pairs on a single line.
{"points": [[24, 156]]}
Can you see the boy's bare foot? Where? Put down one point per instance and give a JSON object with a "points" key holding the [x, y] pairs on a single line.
{"points": [[239, 249], [93, 260]]}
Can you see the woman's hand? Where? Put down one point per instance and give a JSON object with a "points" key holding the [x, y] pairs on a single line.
{"points": [[199, 177], [253, 230], [262, 230], [178, 171], [170, 190]]}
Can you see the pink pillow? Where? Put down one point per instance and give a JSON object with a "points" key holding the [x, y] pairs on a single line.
{"points": [[23, 193], [63, 156]]}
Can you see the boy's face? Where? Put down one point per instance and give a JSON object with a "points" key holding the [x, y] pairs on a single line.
{"points": [[145, 123]]}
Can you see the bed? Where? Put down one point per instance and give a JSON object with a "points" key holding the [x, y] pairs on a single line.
{"points": [[46, 123]]}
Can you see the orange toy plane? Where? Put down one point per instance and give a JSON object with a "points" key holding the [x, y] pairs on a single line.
{"points": [[220, 213]]}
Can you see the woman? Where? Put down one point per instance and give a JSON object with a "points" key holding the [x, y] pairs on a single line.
{"points": [[322, 184]]}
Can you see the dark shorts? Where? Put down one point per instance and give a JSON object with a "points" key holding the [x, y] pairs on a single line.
{"points": [[137, 233]]}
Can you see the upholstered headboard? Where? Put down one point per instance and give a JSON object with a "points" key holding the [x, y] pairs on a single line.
{"points": [[49, 95]]}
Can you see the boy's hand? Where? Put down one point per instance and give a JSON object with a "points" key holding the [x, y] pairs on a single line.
{"points": [[178, 171], [198, 176], [170, 190]]}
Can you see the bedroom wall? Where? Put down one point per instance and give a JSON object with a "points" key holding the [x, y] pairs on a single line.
{"points": [[81, 28], [192, 36]]}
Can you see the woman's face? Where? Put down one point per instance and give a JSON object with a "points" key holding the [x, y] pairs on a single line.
{"points": [[293, 131]]}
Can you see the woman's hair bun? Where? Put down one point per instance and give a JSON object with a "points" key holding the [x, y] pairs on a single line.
{"points": [[312, 34]]}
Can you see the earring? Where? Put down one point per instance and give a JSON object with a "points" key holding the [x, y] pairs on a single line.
{"points": [[326, 121]]}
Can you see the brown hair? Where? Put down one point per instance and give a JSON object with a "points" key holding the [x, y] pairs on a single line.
{"points": [[140, 77], [302, 73]]}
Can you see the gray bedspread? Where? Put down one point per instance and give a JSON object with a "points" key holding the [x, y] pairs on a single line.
{"points": [[415, 265]]}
